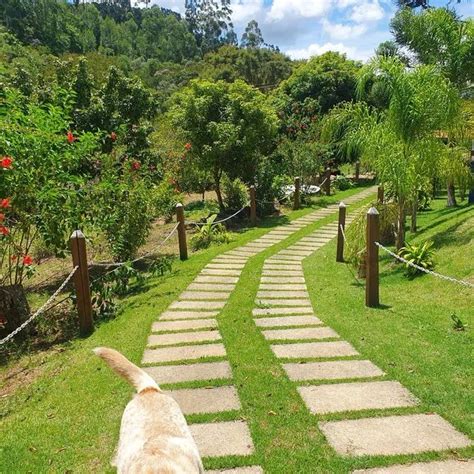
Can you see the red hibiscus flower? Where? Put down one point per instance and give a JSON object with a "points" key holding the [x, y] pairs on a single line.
{"points": [[4, 230], [27, 260], [70, 137], [6, 162], [136, 165], [188, 146], [113, 136], [5, 203]]}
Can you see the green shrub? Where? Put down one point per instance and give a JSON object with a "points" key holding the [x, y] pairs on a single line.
{"points": [[208, 234], [342, 183], [419, 254], [235, 194], [165, 198]]}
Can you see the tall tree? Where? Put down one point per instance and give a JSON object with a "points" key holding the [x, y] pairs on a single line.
{"points": [[252, 37]]}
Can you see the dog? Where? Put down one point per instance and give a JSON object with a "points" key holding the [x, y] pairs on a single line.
{"points": [[154, 436]]}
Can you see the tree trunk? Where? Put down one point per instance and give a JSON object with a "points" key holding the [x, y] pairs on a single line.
{"points": [[451, 195], [414, 212], [401, 225]]}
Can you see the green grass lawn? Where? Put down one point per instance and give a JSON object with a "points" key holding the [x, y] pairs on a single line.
{"points": [[65, 415]]}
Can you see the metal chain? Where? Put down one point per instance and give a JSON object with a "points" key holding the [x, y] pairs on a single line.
{"points": [[40, 310], [430, 272], [222, 220]]}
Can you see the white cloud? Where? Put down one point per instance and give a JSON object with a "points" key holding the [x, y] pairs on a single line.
{"points": [[245, 10], [316, 49], [341, 31], [303, 8], [175, 5], [365, 12]]}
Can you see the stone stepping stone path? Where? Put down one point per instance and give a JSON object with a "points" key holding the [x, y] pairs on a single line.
{"points": [[185, 353], [284, 314]]}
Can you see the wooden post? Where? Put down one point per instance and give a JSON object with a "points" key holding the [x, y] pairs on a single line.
{"points": [[253, 206], [340, 235], [297, 199], [357, 172], [327, 183], [380, 194], [81, 282], [372, 263], [183, 248]]}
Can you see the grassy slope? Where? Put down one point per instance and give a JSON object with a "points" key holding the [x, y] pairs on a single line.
{"points": [[68, 418]]}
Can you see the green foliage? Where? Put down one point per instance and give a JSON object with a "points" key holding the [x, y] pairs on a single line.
{"points": [[235, 193], [165, 197], [209, 233], [418, 254], [252, 37], [342, 183], [458, 324]]}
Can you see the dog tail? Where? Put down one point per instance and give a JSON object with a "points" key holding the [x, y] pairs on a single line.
{"points": [[122, 366]]}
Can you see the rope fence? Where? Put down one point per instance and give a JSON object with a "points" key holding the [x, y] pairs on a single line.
{"points": [[220, 221], [41, 310]]}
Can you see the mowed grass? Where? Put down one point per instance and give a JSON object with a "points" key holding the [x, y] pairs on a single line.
{"points": [[67, 419]]}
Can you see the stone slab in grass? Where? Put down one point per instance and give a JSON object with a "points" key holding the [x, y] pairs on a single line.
{"points": [[239, 470], [306, 246], [167, 374], [244, 253], [197, 305], [299, 333], [160, 326], [170, 339], [279, 280], [205, 295], [315, 240], [332, 370], [340, 397], [288, 321], [223, 272], [215, 279], [211, 287], [227, 438], [229, 258], [289, 258], [270, 311], [282, 294], [280, 273], [309, 350], [281, 265], [273, 286], [393, 435], [225, 265], [284, 302], [451, 466], [177, 315], [206, 400], [170, 354], [300, 253]]}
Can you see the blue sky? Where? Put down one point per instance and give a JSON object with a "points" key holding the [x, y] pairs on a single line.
{"points": [[302, 28]]}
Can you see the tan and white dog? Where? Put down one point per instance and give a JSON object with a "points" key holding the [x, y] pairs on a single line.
{"points": [[154, 436]]}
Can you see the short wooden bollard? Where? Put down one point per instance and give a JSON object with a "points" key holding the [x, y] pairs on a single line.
{"points": [[297, 196], [253, 206], [327, 182], [380, 195], [357, 172], [340, 233], [183, 248], [372, 262], [81, 282]]}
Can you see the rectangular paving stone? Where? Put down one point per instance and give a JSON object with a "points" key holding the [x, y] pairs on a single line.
{"points": [[170, 354], [229, 258], [211, 287], [176, 315], [282, 294], [206, 400], [290, 258], [170, 339], [197, 305], [205, 295], [227, 438], [280, 273], [270, 311], [308, 350], [273, 286], [284, 302], [288, 321], [226, 265], [300, 253], [451, 466], [284, 280], [300, 333], [215, 279], [223, 272], [332, 370], [168, 374], [279, 265], [393, 435], [160, 326], [239, 470], [340, 397], [306, 246]]}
